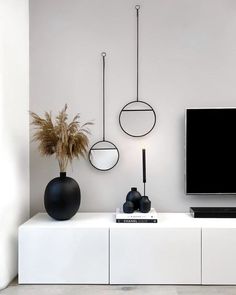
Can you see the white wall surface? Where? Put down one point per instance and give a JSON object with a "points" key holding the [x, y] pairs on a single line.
{"points": [[14, 131], [188, 59]]}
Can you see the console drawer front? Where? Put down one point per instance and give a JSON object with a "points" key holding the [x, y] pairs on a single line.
{"points": [[155, 255], [218, 256]]}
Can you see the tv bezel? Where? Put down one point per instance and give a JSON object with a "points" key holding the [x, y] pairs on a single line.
{"points": [[185, 149]]}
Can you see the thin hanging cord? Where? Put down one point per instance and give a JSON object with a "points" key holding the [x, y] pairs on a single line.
{"points": [[137, 7], [144, 189], [103, 93]]}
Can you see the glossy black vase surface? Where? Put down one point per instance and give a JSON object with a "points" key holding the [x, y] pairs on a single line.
{"points": [[62, 197], [134, 196], [144, 204]]}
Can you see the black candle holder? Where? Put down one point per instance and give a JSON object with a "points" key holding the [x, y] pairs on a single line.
{"points": [[144, 203]]}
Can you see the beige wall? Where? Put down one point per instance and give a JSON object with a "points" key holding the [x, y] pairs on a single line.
{"points": [[188, 59]]}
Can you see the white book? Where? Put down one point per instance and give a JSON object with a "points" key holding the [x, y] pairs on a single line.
{"points": [[152, 214]]}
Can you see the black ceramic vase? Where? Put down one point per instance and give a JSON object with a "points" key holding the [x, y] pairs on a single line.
{"points": [[144, 204], [62, 197], [134, 196], [128, 207]]}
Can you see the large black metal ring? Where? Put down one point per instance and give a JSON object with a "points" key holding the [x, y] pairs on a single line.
{"points": [[151, 109]]}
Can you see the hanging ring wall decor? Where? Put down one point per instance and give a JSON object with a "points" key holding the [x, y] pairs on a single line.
{"points": [[137, 118], [103, 155]]}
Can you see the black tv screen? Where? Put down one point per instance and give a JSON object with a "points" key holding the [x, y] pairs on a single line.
{"points": [[211, 151]]}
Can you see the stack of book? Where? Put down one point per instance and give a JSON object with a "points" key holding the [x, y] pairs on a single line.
{"points": [[136, 217]]}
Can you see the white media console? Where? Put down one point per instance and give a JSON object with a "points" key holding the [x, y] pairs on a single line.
{"points": [[92, 249]]}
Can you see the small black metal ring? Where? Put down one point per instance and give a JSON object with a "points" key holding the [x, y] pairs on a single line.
{"points": [[111, 144]]}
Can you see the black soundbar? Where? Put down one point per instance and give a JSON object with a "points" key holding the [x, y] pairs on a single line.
{"points": [[213, 212]]}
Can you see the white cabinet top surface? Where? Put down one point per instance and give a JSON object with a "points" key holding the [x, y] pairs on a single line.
{"points": [[107, 220], [79, 220]]}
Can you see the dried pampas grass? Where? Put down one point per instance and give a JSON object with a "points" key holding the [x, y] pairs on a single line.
{"points": [[66, 140]]}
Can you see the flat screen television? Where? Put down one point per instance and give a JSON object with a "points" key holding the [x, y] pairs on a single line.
{"points": [[210, 151]]}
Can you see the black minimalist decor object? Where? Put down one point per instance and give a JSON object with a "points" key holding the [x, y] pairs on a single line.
{"points": [[145, 203], [103, 155], [137, 118], [62, 197], [134, 196], [66, 140], [128, 207]]}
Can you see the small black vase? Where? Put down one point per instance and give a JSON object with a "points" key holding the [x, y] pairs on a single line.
{"points": [[134, 196], [128, 207], [144, 204], [62, 197]]}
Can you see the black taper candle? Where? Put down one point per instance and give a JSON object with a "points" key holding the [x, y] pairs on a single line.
{"points": [[144, 166]]}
